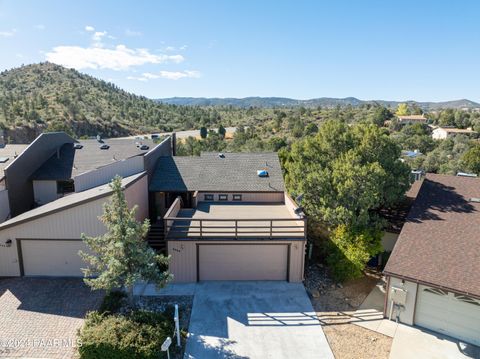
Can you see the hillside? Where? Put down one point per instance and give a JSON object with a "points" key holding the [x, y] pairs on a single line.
{"points": [[276, 102], [40, 97]]}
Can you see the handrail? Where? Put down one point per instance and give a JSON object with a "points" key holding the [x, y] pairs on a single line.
{"points": [[175, 227]]}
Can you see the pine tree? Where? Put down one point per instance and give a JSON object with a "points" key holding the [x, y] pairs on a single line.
{"points": [[121, 257]]}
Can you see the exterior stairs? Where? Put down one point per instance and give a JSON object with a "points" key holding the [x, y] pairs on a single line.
{"points": [[156, 237]]}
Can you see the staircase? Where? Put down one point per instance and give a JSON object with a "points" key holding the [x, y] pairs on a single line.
{"points": [[156, 237]]}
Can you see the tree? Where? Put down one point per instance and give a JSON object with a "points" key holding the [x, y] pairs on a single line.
{"points": [[203, 132], [121, 257], [380, 115], [471, 159], [346, 173], [222, 131], [402, 110]]}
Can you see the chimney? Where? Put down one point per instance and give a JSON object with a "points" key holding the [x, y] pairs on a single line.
{"points": [[174, 144]]}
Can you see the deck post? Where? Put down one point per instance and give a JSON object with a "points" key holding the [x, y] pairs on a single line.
{"points": [[271, 228]]}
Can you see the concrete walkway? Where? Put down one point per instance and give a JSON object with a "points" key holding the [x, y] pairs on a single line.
{"points": [[254, 320], [408, 341]]}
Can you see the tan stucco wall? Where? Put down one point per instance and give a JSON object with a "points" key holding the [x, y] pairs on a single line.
{"points": [[44, 191], [407, 313], [388, 241], [183, 262], [273, 197]]}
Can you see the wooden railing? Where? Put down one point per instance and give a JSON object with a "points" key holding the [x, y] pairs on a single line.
{"points": [[184, 227]]}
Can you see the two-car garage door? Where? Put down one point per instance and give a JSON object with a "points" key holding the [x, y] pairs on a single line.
{"points": [[243, 261], [58, 258], [449, 313]]}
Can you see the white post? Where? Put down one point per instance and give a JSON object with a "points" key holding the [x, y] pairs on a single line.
{"points": [[177, 325]]}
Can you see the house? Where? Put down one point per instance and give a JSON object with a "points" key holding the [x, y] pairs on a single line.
{"points": [[228, 217], [433, 272], [219, 216], [43, 240], [410, 119], [442, 133]]}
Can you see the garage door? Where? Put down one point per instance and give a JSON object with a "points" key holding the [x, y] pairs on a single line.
{"points": [[451, 314], [243, 262], [52, 258]]}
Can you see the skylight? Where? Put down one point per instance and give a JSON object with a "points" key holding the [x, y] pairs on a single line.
{"points": [[3, 159]]}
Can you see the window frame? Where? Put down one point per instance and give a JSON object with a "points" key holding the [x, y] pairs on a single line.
{"points": [[237, 197], [208, 197], [223, 197]]}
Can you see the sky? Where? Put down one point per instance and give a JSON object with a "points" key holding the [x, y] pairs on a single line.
{"points": [[391, 50]]}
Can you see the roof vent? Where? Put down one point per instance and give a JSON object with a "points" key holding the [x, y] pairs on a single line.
{"points": [[221, 155], [475, 199], [262, 173], [3, 159], [78, 146], [464, 174]]}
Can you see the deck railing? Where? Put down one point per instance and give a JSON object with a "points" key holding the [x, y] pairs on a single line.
{"points": [[184, 227]]}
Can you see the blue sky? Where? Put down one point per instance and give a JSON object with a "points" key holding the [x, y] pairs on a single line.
{"points": [[394, 50]]}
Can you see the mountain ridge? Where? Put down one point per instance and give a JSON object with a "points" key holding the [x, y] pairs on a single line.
{"points": [[269, 102]]}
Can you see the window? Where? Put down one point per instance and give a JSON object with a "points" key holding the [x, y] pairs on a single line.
{"points": [[237, 197], [436, 291], [223, 197], [65, 187], [467, 299], [208, 197]]}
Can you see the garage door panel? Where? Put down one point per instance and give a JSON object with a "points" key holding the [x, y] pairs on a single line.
{"points": [[243, 262], [448, 314], [52, 258]]}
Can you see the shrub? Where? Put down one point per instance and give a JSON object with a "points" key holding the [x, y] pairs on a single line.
{"points": [[138, 335], [112, 302], [350, 250]]}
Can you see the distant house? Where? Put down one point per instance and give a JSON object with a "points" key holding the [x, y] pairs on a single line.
{"points": [[442, 133], [433, 273], [410, 119]]}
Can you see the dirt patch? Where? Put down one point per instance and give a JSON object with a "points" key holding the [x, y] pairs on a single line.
{"points": [[335, 304]]}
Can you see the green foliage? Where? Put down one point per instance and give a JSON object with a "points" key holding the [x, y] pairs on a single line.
{"points": [[222, 131], [203, 132], [350, 250], [471, 159], [112, 302], [346, 173], [380, 115], [138, 335], [447, 156], [402, 110], [121, 257]]}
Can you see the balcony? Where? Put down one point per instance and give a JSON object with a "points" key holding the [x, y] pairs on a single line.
{"points": [[234, 220]]}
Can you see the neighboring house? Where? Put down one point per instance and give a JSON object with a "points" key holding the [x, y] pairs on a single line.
{"points": [[225, 220], [442, 133], [433, 272], [410, 119]]}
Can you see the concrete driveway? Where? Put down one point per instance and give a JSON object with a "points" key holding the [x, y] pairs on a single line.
{"points": [[39, 317], [254, 320]]}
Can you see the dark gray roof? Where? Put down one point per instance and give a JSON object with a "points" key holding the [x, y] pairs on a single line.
{"points": [[73, 162], [210, 172], [11, 152], [69, 201]]}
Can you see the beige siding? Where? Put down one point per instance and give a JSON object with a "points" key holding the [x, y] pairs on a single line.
{"points": [[274, 197], [4, 205], [137, 195], [388, 241], [406, 314], [52, 258], [66, 224], [44, 191], [183, 262], [105, 174]]}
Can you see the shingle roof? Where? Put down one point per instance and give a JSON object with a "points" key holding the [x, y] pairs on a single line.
{"points": [[72, 162], [210, 172], [440, 242], [10, 152], [68, 201]]}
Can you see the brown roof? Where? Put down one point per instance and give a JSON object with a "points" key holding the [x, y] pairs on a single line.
{"points": [[440, 242], [412, 117]]}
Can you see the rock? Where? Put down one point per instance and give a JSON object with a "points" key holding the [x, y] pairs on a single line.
{"points": [[339, 285], [315, 293]]}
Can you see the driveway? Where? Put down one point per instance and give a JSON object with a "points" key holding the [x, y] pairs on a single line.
{"points": [[254, 320], [40, 317]]}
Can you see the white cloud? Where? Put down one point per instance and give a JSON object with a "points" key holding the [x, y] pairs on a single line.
{"points": [[143, 79], [40, 27], [97, 38], [118, 58], [89, 28], [130, 32], [8, 33], [172, 75]]}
